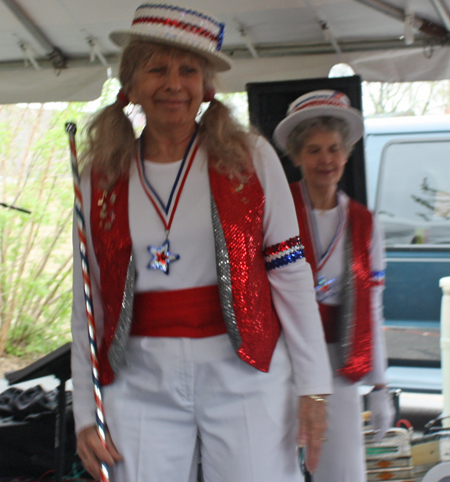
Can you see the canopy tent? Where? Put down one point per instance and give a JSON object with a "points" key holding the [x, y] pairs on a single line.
{"points": [[52, 50]]}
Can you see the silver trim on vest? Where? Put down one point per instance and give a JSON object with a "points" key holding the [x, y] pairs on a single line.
{"points": [[224, 278], [116, 353], [347, 318]]}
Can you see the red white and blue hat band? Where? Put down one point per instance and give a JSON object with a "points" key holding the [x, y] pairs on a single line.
{"points": [[179, 27], [337, 99], [317, 104]]}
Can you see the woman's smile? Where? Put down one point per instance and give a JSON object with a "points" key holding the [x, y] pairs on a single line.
{"points": [[169, 88]]}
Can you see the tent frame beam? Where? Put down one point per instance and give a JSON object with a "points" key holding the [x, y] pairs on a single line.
{"points": [[424, 26], [443, 13], [55, 54], [263, 50], [317, 48]]}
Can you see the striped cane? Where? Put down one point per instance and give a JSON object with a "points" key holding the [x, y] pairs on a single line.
{"points": [[71, 129]]}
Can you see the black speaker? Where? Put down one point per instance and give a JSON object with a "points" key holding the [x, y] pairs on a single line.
{"points": [[38, 436], [56, 363]]}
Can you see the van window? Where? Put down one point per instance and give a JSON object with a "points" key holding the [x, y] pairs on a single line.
{"points": [[413, 196]]}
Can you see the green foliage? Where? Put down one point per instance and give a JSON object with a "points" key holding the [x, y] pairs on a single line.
{"points": [[35, 247], [406, 98], [237, 101]]}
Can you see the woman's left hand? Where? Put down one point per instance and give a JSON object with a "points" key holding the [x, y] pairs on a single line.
{"points": [[312, 416]]}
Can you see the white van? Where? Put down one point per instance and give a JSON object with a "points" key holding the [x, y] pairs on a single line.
{"points": [[408, 184], [408, 178]]}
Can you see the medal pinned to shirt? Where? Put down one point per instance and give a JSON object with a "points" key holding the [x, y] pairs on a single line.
{"points": [[324, 287], [161, 256]]}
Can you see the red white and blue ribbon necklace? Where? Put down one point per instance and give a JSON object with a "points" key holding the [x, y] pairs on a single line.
{"points": [[324, 288], [161, 257]]}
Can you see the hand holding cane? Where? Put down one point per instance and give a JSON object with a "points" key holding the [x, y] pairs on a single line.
{"points": [[100, 416]]}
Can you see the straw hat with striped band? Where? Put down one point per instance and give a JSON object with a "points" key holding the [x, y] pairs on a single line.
{"points": [[178, 27], [320, 103]]}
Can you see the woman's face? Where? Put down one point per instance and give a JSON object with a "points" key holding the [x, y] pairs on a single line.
{"points": [[322, 159], [169, 88]]}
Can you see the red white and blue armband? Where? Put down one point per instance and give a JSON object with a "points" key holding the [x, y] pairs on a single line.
{"points": [[377, 278], [283, 253]]}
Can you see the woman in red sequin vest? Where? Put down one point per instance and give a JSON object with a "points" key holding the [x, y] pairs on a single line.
{"points": [[344, 246], [210, 339]]}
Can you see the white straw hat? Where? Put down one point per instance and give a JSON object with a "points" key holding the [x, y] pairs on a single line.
{"points": [[320, 103], [178, 27]]}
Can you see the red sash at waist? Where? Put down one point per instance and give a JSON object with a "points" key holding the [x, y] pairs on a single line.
{"points": [[329, 315], [188, 313]]}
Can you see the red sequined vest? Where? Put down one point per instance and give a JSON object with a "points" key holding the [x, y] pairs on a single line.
{"points": [[355, 325], [237, 215]]}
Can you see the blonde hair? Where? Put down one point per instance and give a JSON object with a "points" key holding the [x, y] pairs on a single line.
{"points": [[111, 142]]}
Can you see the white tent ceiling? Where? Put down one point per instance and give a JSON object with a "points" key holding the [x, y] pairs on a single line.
{"points": [[268, 40]]}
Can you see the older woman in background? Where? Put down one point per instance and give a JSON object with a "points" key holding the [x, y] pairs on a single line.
{"points": [[344, 245]]}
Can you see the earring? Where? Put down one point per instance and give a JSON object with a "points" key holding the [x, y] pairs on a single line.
{"points": [[122, 98], [209, 94]]}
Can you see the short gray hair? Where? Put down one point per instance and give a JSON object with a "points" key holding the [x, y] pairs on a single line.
{"points": [[297, 138]]}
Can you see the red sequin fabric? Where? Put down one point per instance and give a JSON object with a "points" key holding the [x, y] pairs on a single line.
{"points": [[353, 320], [112, 246], [237, 216], [356, 322], [252, 324]]}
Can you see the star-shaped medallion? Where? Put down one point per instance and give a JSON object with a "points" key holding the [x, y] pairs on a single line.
{"points": [[161, 257], [325, 288]]}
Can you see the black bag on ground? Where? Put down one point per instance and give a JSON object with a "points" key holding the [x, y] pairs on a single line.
{"points": [[28, 424]]}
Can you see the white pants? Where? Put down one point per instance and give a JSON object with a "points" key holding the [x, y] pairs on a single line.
{"points": [[343, 457], [175, 388]]}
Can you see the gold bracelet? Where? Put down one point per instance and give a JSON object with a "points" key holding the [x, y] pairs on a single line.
{"points": [[318, 398]]}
